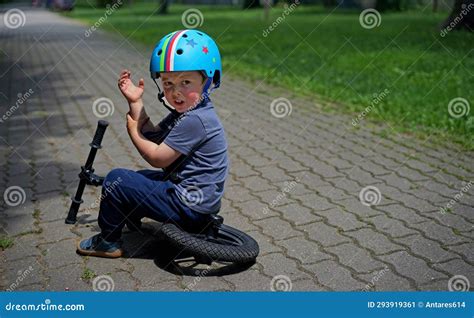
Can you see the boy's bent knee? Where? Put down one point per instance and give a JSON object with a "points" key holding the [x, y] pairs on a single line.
{"points": [[116, 175]]}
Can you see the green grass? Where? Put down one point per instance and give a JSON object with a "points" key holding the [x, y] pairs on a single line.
{"points": [[88, 274], [5, 242], [339, 61]]}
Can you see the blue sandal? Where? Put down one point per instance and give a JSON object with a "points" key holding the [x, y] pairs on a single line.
{"points": [[97, 246]]}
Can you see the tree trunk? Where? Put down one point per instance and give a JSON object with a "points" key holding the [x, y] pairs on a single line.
{"points": [[461, 17], [266, 9], [249, 4], [163, 9]]}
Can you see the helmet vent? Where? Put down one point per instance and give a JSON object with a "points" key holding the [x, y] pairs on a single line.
{"points": [[159, 52], [185, 35], [179, 51], [199, 33]]}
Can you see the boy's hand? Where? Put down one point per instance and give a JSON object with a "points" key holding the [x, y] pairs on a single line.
{"points": [[131, 92]]}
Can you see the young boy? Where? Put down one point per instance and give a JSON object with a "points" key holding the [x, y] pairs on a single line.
{"points": [[189, 145]]}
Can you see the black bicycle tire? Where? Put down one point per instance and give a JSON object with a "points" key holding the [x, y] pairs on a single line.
{"points": [[202, 249]]}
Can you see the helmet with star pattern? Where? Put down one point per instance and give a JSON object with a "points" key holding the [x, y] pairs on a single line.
{"points": [[187, 50]]}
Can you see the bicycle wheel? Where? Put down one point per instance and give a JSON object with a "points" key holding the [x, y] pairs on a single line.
{"points": [[230, 244]]}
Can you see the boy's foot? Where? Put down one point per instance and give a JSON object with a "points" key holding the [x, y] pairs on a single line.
{"points": [[97, 246]]}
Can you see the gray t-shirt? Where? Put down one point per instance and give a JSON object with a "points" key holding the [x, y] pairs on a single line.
{"points": [[204, 172]]}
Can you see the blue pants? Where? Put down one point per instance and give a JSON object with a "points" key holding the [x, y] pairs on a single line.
{"points": [[129, 195]]}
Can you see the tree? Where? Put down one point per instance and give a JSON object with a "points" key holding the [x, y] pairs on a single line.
{"points": [[163, 9], [249, 4], [461, 17]]}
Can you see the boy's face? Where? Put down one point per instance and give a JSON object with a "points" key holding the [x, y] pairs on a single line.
{"points": [[182, 89]]}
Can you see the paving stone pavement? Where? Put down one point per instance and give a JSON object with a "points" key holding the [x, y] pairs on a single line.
{"points": [[294, 184]]}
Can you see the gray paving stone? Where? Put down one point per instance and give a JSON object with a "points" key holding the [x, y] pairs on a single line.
{"points": [[390, 226], [341, 219], [56, 230], [122, 281], [277, 228], [60, 254], [298, 214], [384, 280], [256, 210], [361, 176], [307, 252], [19, 219], [374, 241], [333, 193], [314, 201], [24, 246], [324, 234], [250, 280], [265, 243], [358, 259], [235, 219], [274, 198], [465, 250], [412, 267], [402, 213], [356, 207], [332, 275], [294, 187], [441, 233], [22, 272], [155, 285], [238, 194], [456, 267], [205, 283], [430, 250], [278, 264], [259, 161], [346, 184], [67, 278], [274, 174], [452, 220], [255, 183]]}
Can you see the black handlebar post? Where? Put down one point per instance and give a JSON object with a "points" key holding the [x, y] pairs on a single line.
{"points": [[86, 175]]}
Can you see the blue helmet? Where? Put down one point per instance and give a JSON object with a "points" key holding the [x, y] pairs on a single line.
{"points": [[187, 50]]}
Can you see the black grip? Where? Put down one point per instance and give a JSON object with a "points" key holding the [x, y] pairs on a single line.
{"points": [[99, 133]]}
